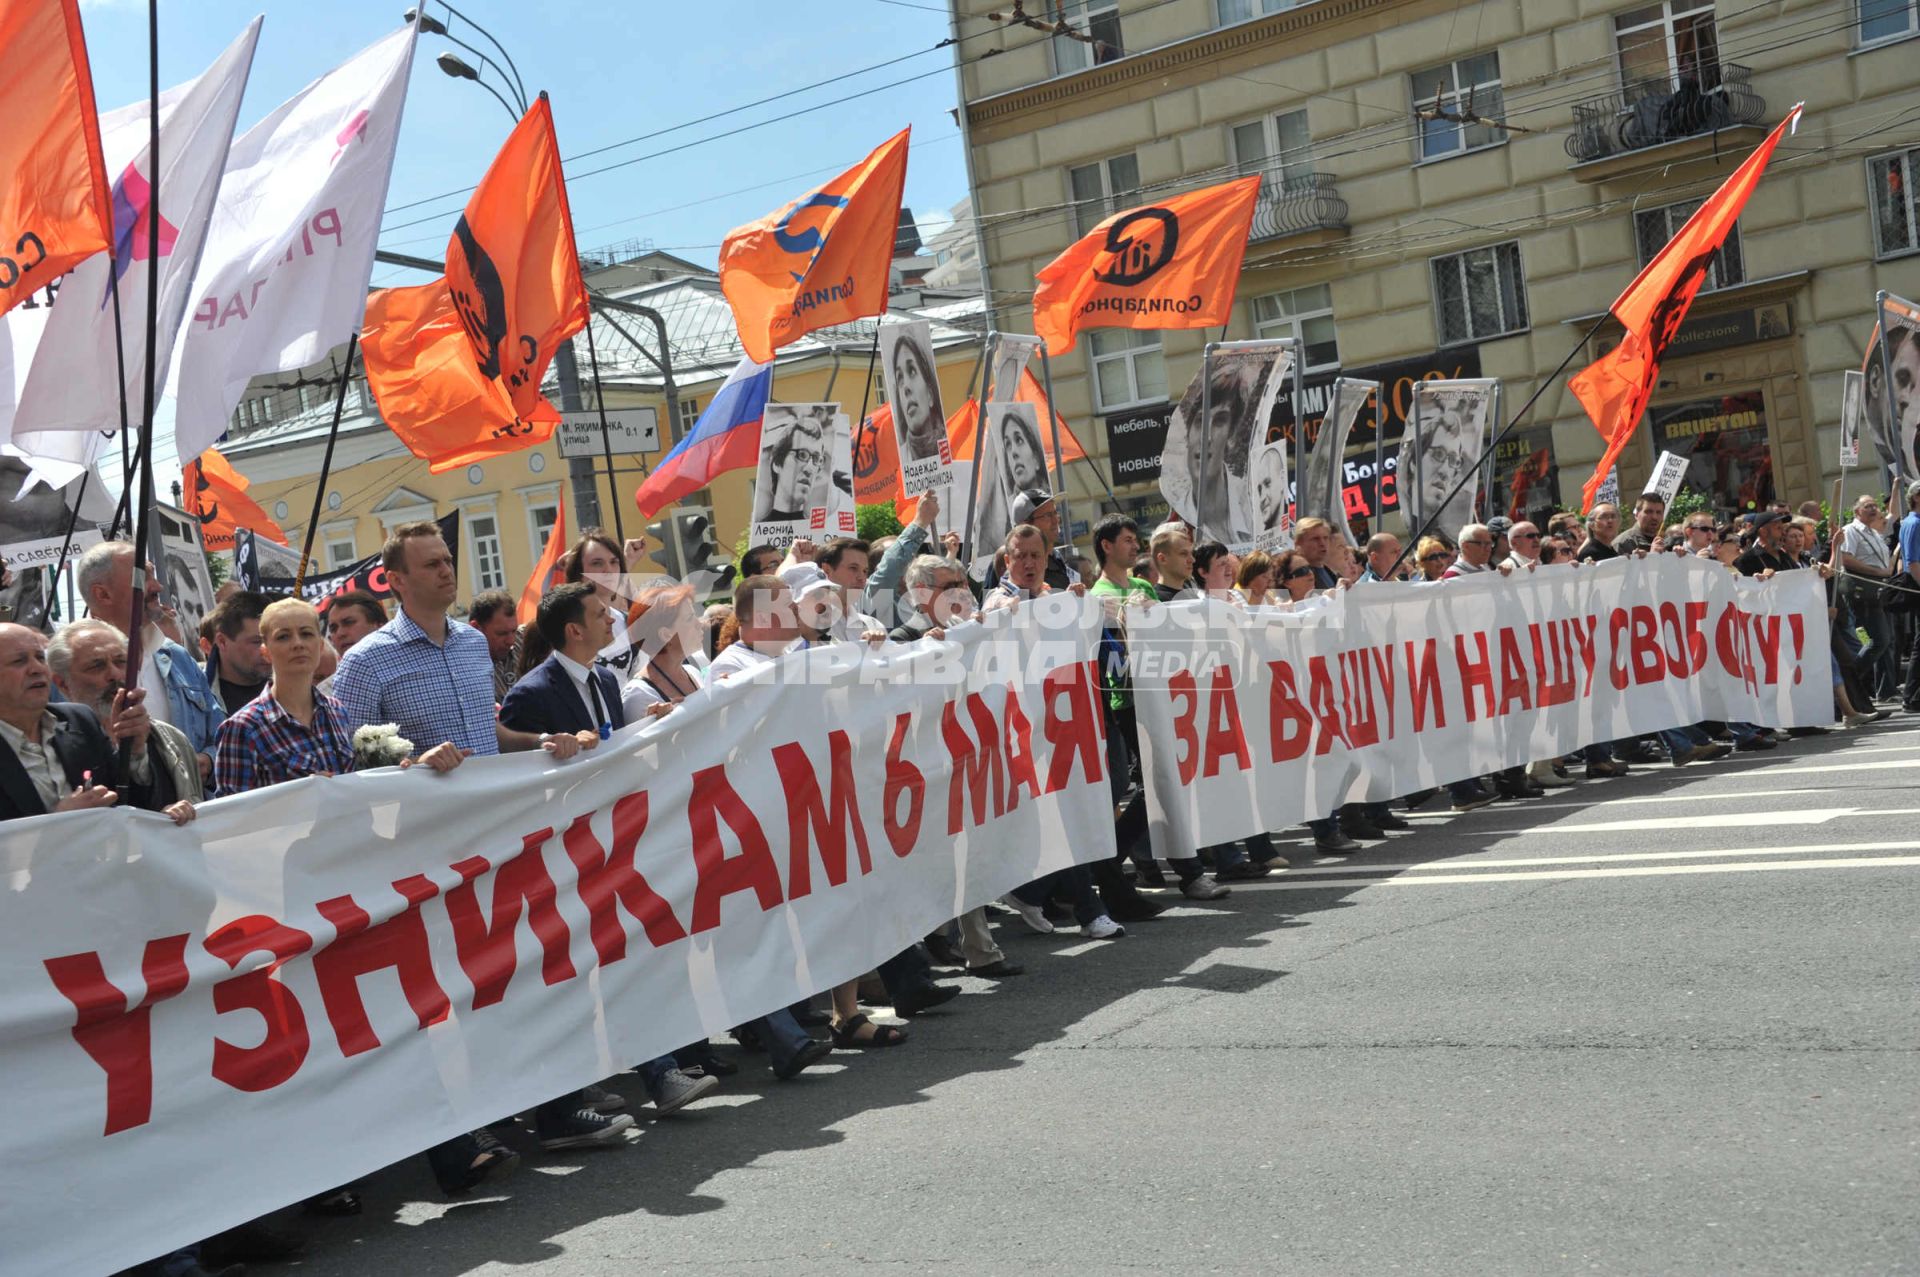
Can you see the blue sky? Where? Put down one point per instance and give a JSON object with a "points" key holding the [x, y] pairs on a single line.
{"points": [[614, 71]]}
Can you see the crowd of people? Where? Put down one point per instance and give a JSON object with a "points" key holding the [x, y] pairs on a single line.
{"points": [[273, 690]]}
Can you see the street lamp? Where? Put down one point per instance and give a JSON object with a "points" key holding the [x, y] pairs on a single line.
{"points": [[450, 63], [433, 26]]}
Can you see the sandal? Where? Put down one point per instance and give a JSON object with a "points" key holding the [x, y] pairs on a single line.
{"points": [[846, 1035]]}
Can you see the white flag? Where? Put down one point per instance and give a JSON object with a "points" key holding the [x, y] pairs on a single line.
{"points": [[71, 384], [284, 277]]}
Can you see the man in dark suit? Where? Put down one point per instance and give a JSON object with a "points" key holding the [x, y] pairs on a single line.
{"points": [[59, 757], [568, 693]]}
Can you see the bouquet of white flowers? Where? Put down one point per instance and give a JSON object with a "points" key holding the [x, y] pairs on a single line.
{"points": [[380, 745]]}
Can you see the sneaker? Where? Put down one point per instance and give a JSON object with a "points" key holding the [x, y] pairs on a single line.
{"points": [[582, 1128], [1338, 844], [678, 1089], [1201, 888], [1859, 720], [1544, 775], [1104, 928], [1032, 915], [601, 1100], [1482, 799]]}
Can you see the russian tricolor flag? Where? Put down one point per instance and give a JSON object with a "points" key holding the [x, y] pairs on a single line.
{"points": [[727, 437]]}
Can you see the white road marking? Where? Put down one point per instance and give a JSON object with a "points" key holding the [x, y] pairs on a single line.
{"points": [[1719, 820], [1456, 864], [1633, 871], [1892, 764]]}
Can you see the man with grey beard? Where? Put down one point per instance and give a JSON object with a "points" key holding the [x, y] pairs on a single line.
{"points": [[89, 663]]}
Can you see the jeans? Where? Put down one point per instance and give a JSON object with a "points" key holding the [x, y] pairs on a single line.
{"points": [[782, 1034], [1077, 881], [1881, 661], [1257, 847]]}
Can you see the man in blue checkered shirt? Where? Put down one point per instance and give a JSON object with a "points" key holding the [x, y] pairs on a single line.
{"points": [[434, 681]]}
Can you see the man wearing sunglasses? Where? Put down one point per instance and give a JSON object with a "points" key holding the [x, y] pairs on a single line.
{"points": [[1524, 540], [1476, 554]]}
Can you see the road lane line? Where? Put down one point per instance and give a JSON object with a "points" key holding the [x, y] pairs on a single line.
{"points": [[1458, 863], [1633, 871]]}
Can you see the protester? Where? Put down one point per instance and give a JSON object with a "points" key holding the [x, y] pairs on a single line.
{"points": [[1216, 568], [1649, 511], [238, 669], [1253, 583], [1036, 506], [664, 672], [351, 617], [495, 614], [1524, 540], [596, 560], [1603, 526], [1868, 561], [1767, 553], [104, 578], [1500, 525], [58, 754], [89, 663], [827, 591], [1172, 552], [1383, 552], [1476, 554], [1434, 557], [1292, 573]]}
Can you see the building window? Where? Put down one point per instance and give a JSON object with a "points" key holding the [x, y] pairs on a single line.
{"points": [[1306, 315], [1888, 19], [1098, 19], [1668, 42], [340, 550], [1480, 293], [540, 521], [1128, 368], [1102, 189], [1890, 191], [1653, 227], [1278, 148], [1241, 10], [483, 540], [689, 414], [1469, 86]]}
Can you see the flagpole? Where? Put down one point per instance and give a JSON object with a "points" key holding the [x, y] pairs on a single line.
{"points": [[979, 446], [326, 463], [1195, 482], [127, 456], [143, 459], [1474, 472], [46, 607], [606, 444], [1379, 456], [1059, 465]]}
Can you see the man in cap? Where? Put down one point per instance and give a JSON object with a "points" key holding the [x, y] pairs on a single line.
{"points": [[1501, 527], [1766, 553], [1037, 507]]}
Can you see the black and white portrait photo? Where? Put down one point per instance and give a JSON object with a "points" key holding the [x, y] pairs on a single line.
{"points": [[919, 419], [1207, 472], [805, 477], [1446, 431]]}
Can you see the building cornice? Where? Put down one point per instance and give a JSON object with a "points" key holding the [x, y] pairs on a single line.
{"points": [[1168, 59]]}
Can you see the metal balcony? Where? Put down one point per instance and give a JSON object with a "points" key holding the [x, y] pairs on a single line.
{"points": [[1648, 113], [1297, 203]]}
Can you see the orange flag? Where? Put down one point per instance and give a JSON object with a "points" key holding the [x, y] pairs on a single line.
{"points": [[56, 208], [543, 571], [1614, 388], [1174, 264], [876, 458], [216, 494], [456, 364], [822, 260]]}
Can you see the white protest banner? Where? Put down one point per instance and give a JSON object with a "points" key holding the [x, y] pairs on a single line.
{"points": [[200, 1024], [803, 486], [1853, 391], [1668, 474], [919, 420], [1256, 720]]}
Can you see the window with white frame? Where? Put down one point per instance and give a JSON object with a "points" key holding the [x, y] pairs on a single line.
{"points": [[1102, 189], [1241, 10], [1306, 315], [1653, 227], [1668, 42], [1128, 368], [340, 547], [1465, 87], [1887, 20], [1480, 293], [542, 514], [1278, 148], [689, 414], [483, 545], [1099, 20], [1896, 216]]}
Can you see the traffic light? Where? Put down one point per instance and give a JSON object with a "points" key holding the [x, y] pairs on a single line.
{"points": [[668, 555], [706, 568]]}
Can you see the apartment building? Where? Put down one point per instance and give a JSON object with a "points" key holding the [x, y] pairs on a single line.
{"points": [[1461, 188]]}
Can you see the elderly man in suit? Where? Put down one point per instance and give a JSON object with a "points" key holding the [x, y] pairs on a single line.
{"points": [[89, 660], [58, 757]]}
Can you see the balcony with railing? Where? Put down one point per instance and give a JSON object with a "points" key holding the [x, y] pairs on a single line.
{"points": [[1661, 113], [1299, 205]]}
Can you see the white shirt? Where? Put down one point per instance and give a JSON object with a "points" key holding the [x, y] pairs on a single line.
{"points": [[158, 707], [579, 674], [639, 695], [1866, 545], [737, 660]]}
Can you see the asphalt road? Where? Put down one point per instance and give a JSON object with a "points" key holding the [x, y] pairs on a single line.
{"points": [[1666, 1023]]}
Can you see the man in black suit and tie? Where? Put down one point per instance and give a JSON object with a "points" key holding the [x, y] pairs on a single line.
{"points": [[565, 693], [59, 757]]}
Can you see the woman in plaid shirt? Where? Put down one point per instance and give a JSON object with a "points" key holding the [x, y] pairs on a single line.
{"points": [[290, 730]]}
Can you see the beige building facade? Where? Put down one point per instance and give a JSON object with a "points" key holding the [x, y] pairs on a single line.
{"points": [[1565, 141]]}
